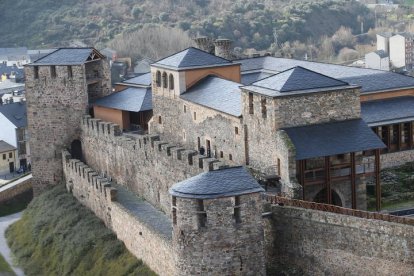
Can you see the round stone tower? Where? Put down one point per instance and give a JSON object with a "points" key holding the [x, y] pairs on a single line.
{"points": [[217, 224], [205, 43], [223, 48]]}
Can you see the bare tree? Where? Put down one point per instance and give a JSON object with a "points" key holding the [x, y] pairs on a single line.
{"points": [[153, 42]]}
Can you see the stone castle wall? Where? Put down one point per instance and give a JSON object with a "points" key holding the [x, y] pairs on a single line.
{"points": [[322, 243], [202, 249], [142, 163], [97, 193], [55, 106]]}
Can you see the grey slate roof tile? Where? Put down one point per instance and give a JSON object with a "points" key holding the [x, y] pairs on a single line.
{"points": [[369, 79], [15, 113], [216, 93], [252, 77], [220, 183], [4, 146], [192, 57], [144, 80], [296, 79], [65, 56], [131, 99], [333, 138], [388, 111]]}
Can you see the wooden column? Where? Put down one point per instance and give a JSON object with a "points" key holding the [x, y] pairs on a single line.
{"points": [[399, 137], [377, 180], [389, 137], [353, 180], [410, 135], [328, 180]]}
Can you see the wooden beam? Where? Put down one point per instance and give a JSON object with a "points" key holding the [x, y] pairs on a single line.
{"points": [[410, 135], [353, 180], [388, 127], [377, 180], [328, 180], [399, 136]]}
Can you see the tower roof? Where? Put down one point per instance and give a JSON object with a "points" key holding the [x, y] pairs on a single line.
{"points": [[220, 183], [191, 57], [297, 79], [69, 56]]}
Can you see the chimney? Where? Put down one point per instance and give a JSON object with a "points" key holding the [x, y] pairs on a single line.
{"points": [[205, 43], [223, 48]]}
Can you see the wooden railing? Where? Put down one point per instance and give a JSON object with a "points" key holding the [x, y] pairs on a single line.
{"points": [[284, 201]]}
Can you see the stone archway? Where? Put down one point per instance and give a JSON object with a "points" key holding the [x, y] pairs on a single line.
{"points": [[76, 149], [321, 197]]}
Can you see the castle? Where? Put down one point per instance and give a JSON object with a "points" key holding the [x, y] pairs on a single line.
{"points": [[211, 128]]}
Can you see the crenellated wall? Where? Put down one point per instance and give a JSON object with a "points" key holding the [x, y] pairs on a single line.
{"points": [[141, 239], [142, 163]]}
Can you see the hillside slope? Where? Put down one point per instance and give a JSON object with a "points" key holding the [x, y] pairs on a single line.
{"points": [[49, 23], [58, 236]]}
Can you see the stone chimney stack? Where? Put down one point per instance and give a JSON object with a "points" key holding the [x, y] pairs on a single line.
{"points": [[223, 48], [205, 43]]}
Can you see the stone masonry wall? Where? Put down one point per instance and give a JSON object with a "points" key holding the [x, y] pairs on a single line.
{"points": [[322, 243], [142, 163], [96, 193], [55, 106], [222, 246], [183, 122], [395, 159]]}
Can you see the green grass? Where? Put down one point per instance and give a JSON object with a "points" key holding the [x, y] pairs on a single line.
{"points": [[58, 236], [5, 269]]}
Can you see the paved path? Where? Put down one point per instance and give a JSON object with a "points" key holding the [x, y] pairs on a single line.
{"points": [[4, 249], [14, 183]]}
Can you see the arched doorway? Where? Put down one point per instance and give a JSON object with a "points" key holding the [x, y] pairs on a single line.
{"points": [[321, 197], [76, 150]]}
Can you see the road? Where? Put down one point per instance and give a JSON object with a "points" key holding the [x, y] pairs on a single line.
{"points": [[4, 249]]}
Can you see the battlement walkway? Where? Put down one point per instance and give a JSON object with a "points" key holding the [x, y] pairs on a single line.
{"points": [[147, 214]]}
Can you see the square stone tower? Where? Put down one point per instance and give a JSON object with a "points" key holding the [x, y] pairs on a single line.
{"points": [[59, 88]]}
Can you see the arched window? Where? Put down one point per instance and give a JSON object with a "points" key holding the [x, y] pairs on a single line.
{"points": [[158, 79], [171, 81], [164, 80]]}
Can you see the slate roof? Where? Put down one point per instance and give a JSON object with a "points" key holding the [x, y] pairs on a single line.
{"points": [[252, 77], [16, 113], [144, 80], [297, 79], [370, 80], [388, 111], [191, 57], [4, 69], [131, 99], [216, 93], [333, 138], [4, 146], [381, 53], [66, 56], [215, 184]]}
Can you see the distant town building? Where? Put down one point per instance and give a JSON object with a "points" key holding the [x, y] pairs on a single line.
{"points": [[14, 56], [7, 158], [13, 123], [401, 51], [377, 60]]}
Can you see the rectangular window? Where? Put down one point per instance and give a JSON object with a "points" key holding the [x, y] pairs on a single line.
{"points": [[195, 116], [185, 109], [159, 120], [53, 71], [264, 109], [230, 157], [10, 154], [4, 156], [236, 130], [237, 214], [201, 213], [36, 72], [221, 154], [70, 72]]}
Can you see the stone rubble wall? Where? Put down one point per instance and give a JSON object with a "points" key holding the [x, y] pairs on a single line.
{"points": [[96, 193], [395, 159], [323, 243], [143, 164]]}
